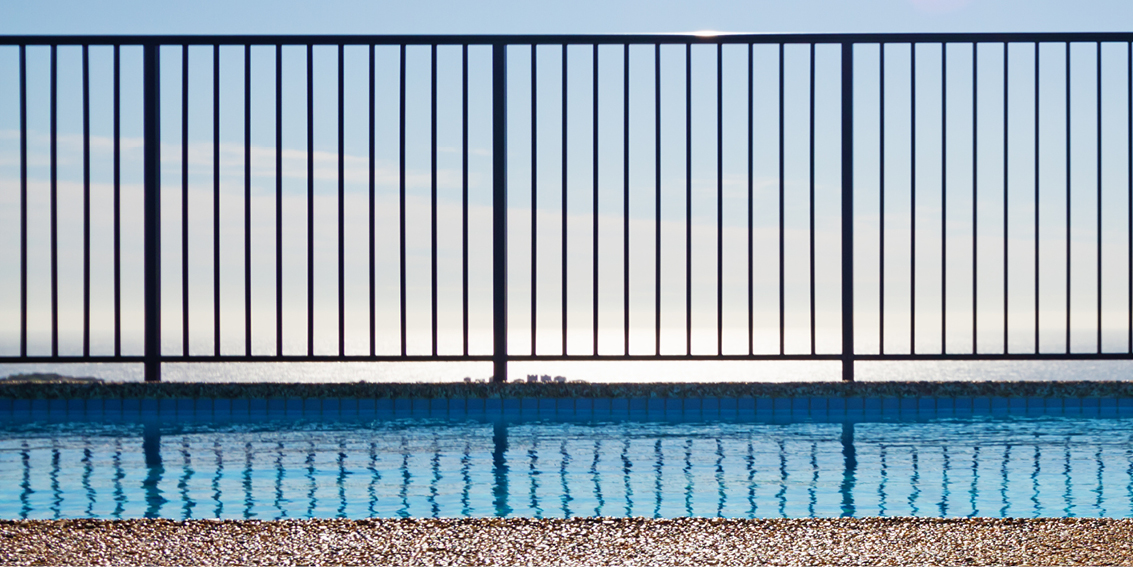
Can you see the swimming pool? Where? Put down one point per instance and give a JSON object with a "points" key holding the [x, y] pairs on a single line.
{"points": [[990, 457]]}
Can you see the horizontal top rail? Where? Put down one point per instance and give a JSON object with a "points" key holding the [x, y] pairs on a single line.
{"points": [[569, 39]]}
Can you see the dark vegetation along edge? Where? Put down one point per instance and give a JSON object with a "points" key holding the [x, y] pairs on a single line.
{"points": [[61, 390]]}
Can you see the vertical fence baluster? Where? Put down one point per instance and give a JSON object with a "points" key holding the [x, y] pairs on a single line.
{"points": [[370, 209], [464, 190], [401, 197], [216, 198], [688, 198], [152, 210], [943, 198], [534, 196], [185, 200], [54, 201], [310, 200], [279, 200], [24, 201], [594, 216], [1068, 165], [247, 200], [1099, 228], [975, 183], [1006, 82], [625, 197], [1037, 124], [912, 198], [564, 195], [116, 117], [719, 198], [782, 193], [750, 202], [847, 212], [433, 188], [811, 202], [86, 200], [499, 212], [881, 199], [341, 202], [657, 198]]}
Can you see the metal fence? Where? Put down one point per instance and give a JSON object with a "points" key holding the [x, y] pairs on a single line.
{"points": [[843, 132]]}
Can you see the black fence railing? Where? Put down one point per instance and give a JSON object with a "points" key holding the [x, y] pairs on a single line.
{"points": [[825, 106]]}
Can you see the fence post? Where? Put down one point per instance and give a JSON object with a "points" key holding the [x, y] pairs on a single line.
{"points": [[847, 212], [152, 212], [499, 212]]}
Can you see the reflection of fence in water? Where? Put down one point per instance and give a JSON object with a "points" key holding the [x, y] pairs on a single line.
{"points": [[1005, 468]]}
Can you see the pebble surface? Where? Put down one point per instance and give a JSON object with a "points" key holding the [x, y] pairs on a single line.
{"points": [[579, 541]]}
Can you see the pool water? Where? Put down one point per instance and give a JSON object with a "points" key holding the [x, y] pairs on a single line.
{"points": [[755, 467]]}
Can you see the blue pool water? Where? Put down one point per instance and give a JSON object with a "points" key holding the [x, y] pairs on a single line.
{"points": [[808, 464]]}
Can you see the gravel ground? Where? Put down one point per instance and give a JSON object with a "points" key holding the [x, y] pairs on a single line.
{"points": [[583, 541]]}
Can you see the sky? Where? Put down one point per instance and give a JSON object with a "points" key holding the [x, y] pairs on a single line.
{"points": [[588, 16], [434, 17]]}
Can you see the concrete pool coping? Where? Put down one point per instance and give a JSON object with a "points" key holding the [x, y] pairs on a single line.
{"points": [[707, 408], [578, 541], [562, 401]]}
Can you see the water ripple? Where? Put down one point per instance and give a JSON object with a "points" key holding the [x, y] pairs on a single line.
{"points": [[564, 464], [533, 472], [1100, 475], [688, 477], [186, 476], [915, 482], [56, 494], [246, 482], [25, 483], [1035, 485], [466, 478], [310, 462], [441, 468], [781, 496], [722, 495], [1003, 482], [627, 473], [433, 483], [945, 485], [1068, 511], [750, 463], [375, 477], [280, 501], [340, 480], [218, 510], [658, 469], [119, 474], [595, 477], [88, 470], [974, 491]]}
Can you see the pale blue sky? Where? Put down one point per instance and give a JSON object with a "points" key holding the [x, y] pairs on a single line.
{"points": [[541, 16]]}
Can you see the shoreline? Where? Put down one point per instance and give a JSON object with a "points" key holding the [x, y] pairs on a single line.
{"points": [[450, 390]]}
